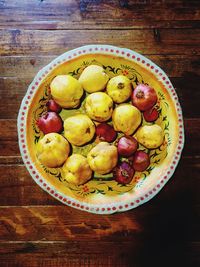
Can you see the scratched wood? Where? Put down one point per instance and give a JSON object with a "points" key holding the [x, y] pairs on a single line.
{"points": [[34, 223], [41, 223], [147, 41], [89, 14], [37, 230], [137, 231], [110, 254], [71, 254]]}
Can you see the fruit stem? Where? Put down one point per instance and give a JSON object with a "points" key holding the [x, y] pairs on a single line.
{"points": [[48, 141], [87, 130], [124, 173], [120, 85]]}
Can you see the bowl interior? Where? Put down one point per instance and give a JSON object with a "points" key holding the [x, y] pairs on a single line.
{"points": [[103, 189]]}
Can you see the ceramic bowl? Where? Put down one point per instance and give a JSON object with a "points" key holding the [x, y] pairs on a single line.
{"points": [[103, 195]]}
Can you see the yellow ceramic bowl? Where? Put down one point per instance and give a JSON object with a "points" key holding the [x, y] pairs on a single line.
{"points": [[103, 195]]}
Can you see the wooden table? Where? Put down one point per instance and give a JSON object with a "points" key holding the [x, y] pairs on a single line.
{"points": [[37, 230]]}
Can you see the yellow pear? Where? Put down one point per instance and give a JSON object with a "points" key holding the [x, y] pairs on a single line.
{"points": [[99, 106], [119, 88], [126, 118], [93, 78], [103, 158], [79, 129], [52, 150], [77, 170], [150, 136], [66, 91]]}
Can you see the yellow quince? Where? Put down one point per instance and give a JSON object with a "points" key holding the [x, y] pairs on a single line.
{"points": [[103, 158], [99, 106], [126, 118], [79, 129], [66, 91], [150, 136], [93, 78], [77, 170], [52, 150], [119, 88]]}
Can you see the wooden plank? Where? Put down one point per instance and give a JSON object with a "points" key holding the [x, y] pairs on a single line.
{"points": [[109, 254], [188, 93], [85, 14], [20, 189], [62, 223], [10, 160], [12, 91], [68, 254], [163, 41], [28, 66]]}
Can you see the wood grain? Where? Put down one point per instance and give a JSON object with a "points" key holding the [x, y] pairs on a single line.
{"points": [[41, 222], [142, 231], [147, 41], [71, 254], [37, 223], [95, 14], [20, 189], [68, 254]]}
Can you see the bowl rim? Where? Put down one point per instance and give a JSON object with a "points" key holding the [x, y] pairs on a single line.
{"points": [[22, 117]]}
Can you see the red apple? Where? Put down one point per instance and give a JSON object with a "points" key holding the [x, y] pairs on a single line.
{"points": [[151, 115], [50, 122], [141, 161], [123, 173], [127, 145], [144, 97], [53, 106], [105, 132]]}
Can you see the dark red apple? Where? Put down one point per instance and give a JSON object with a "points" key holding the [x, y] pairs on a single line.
{"points": [[141, 161], [127, 145], [151, 115], [53, 106], [123, 173], [105, 132], [144, 97], [50, 122]]}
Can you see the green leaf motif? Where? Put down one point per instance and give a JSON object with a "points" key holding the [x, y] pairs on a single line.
{"points": [[161, 95], [164, 118], [156, 161], [149, 169], [99, 191], [167, 126], [154, 154], [37, 138], [110, 188]]}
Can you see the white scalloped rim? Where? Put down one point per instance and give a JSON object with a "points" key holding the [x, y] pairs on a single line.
{"points": [[22, 116]]}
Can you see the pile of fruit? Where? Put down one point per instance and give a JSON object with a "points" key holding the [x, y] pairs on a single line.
{"points": [[111, 122]]}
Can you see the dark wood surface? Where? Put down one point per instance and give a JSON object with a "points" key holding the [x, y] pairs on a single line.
{"points": [[37, 230]]}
